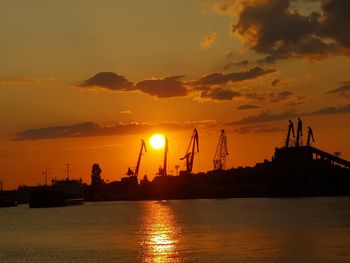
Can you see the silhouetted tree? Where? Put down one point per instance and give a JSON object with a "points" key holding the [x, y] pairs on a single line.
{"points": [[96, 180]]}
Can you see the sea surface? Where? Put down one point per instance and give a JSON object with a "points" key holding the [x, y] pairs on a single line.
{"points": [[216, 230]]}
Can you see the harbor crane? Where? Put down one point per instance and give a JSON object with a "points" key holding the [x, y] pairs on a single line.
{"points": [[290, 131], [163, 170], [135, 173], [299, 133], [189, 156], [310, 136], [221, 152]]}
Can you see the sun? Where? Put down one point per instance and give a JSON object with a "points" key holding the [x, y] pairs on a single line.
{"points": [[157, 141]]}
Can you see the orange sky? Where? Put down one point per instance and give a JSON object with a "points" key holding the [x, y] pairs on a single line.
{"points": [[84, 82]]}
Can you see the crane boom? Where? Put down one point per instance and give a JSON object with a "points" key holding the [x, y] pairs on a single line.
{"points": [[310, 136], [189, 156], [290, 131], [136, 172], [221, 152], [299, 133], [163, 171]]}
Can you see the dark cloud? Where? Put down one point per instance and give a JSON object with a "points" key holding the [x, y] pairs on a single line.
{"points": [[160, 88], [277, 83], [109, 80], [247, 107], [273, 28], [336, 21], [257, 129], [256, 96], [271, 96], [173, 86], [343, 90], [280, 96], [90, 129], [332, 110], [265, 116], [219, 94], [80, 130], [219, 78], [237, 64], [163, 88]]}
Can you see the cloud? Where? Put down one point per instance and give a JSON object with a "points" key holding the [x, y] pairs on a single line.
{"points": [[160, 88], [24, 80], [222, 9], [265, 116], [343, 90], [238, 64], [247, 107], [219, 78], [274, 28], [173, 86], [220, 94], [336, 21], [275, 82], [85, 129], [208, 40], [274, 97], [109, 80], [91, 129], [163, 88], [125, 112], [332, 110], [257, 129], [283, 95]]}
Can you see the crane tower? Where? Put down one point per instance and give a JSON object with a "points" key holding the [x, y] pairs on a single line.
{"points": [[221, 152], [193, 147], [135, 173]]}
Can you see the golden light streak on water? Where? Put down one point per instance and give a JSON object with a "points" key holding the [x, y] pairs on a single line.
{"points": [[159, 233]]}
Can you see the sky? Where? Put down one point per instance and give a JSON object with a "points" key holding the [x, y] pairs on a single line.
{"points": [[83, 81]]}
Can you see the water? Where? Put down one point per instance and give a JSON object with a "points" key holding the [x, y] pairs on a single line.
{"points": [[227, 230]]}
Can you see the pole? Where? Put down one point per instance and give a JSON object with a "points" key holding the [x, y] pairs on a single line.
{"points": [[68, 165]]}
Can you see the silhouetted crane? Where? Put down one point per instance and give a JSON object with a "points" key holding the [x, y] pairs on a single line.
{"points": [[310, 136], [290, 130], [163, 170], [221, 152], [299, 133], [189, 156], [136, 172]]}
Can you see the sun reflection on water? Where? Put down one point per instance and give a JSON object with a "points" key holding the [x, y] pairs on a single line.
{"points": [[159, 233]]}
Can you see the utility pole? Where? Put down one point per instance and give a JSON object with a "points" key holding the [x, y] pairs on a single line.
{"points": [[67, 169], [45, 173]]}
